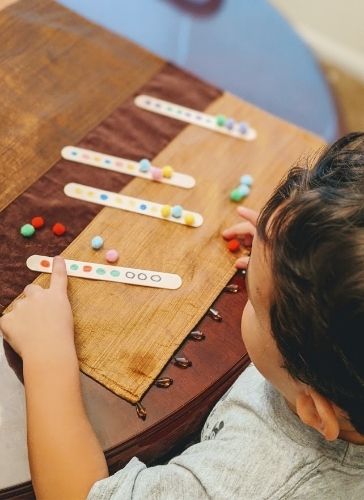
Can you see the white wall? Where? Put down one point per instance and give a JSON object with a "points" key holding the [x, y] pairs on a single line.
{"points": [[333, 28]]}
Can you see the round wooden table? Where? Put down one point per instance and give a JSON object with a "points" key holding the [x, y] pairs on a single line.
{"points": [[174, 414]]}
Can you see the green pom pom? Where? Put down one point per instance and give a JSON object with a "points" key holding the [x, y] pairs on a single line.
{"points": [[220, 120], [235, 195], [27, 230]]}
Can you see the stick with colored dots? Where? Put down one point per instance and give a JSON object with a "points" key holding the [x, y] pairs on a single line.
{"points": [[104, 272], [115, 200], [219, 123], [143, 169]]}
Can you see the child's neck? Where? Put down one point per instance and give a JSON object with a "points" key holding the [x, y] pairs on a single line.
{"points": [[346, 434], [352, 436]]}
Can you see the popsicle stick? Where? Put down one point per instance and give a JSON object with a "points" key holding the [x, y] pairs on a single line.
{"points": [[240, 130], [130, 204], [122, 165], [104, 272]]}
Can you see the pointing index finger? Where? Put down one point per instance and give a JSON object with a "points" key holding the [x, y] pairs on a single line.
{"points": [[59, 274]]}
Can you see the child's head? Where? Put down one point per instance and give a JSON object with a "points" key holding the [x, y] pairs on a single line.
{"points": [[303, 325]]}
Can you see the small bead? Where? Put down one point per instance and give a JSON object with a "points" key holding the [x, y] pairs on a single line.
{"points": [[166, 211], [229, 124], [37, 222], [97, 242], [243, 127], [156, 173], [177, 211], [220, 120], [247, 180], [112, 255], [233, 245], [243, 190], [167, 171], [235, 195], [27, 230], [59, 229], [144, 165], [189, 219]]}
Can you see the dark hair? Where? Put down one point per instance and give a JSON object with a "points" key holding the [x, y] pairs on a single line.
{"points": [[313, 226]]}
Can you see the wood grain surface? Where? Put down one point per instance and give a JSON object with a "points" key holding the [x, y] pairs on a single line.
{"points": [[59, 76]]}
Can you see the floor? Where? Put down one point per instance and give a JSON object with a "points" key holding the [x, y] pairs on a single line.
{"points": [[349, 96]]}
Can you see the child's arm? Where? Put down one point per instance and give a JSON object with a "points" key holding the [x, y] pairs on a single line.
{"points": [[64, 454]]}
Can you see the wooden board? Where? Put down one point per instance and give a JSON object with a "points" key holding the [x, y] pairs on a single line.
{"points": [[54, 89]]}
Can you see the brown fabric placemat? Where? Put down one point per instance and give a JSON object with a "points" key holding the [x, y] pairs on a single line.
{"points": [[60, 75], [126, 334], [128, 132]]}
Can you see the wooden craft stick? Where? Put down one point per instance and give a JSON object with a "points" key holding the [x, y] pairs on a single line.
{"points": [[104, 272], [116, 200], [143, 169], [219, 123]]}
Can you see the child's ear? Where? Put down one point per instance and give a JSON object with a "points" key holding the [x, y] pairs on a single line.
{"points": [[317, 412]]}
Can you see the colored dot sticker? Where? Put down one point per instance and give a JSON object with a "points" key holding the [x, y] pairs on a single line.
{"points": [[100, 271], [74, 267], [107, 161], [143, 206], [115, 273], [87, 269], [45, 263], [74, 153], [103, 196]]}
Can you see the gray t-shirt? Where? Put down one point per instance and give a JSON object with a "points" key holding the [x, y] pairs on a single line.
{"points": [[252, 447]]}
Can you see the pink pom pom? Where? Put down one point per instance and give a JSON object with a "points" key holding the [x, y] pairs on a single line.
{"points": [[156, 173], [112, 255]]}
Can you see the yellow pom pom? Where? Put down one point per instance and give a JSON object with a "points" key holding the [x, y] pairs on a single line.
{"points": [[167, 171], [166, 210], [189, 219]]}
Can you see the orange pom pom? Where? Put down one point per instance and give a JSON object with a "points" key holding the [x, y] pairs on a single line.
{"points": [[233, 245], [59, 229], [37, 222]]}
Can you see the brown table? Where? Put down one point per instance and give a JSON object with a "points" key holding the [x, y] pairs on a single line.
{"points": [[59, 77]]}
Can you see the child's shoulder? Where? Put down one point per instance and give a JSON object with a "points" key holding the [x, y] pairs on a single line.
{"points": [[252, 446]]}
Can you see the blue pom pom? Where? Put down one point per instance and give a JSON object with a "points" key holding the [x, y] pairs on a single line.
{"points": [[243, 190], [243, 127], [97, 242], [177, 211], [247, 180], [144, 165], [229, 124]]}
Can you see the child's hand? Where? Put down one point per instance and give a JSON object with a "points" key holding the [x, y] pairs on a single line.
{"points": [[41, 324], [244, 231]]}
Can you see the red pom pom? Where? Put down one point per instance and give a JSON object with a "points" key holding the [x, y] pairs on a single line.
{"points": [[233, 245], [59, 229], [37, 222]]}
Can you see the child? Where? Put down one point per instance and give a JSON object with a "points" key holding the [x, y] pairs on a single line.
{"points": [[292, 425]]}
